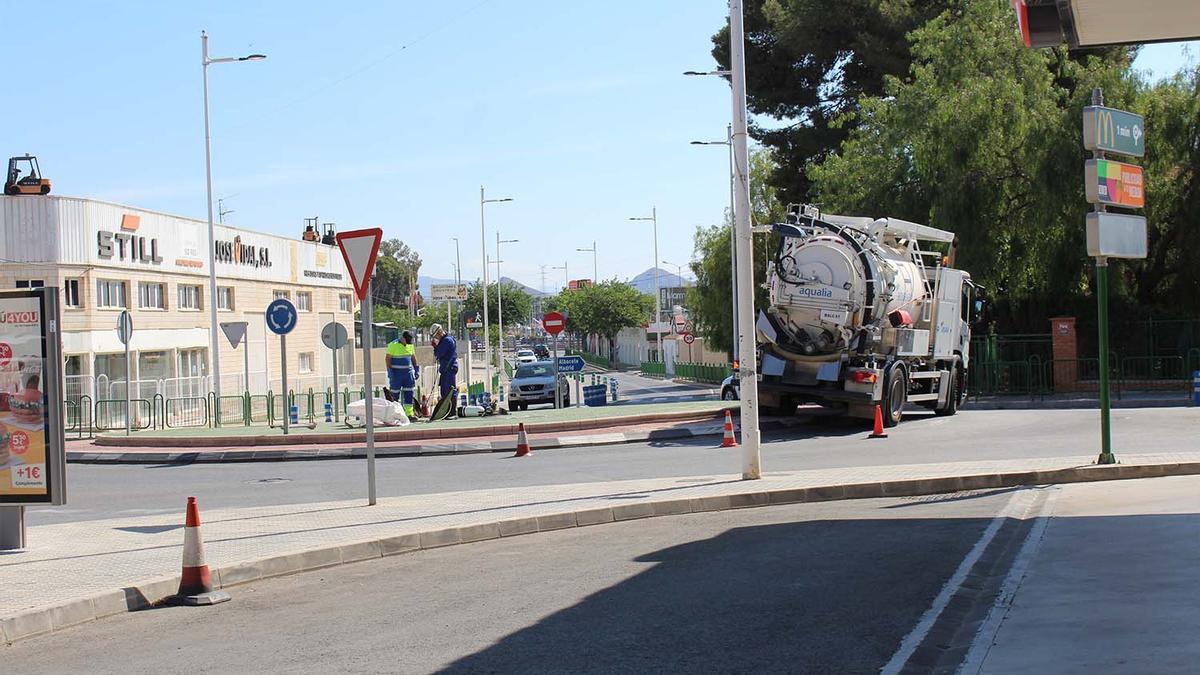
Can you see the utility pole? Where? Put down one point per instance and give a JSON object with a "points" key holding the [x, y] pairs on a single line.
{"points": [[747, 374]]}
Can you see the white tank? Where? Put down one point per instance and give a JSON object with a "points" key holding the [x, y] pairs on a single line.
{"points": [[823, 289]]}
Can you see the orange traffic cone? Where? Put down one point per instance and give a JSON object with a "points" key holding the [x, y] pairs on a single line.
{"points": [[522, 442], [195, 583], [729, 441], [878, 432]]}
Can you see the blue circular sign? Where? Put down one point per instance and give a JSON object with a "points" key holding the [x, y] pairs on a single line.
{"points": [[281, 316]]}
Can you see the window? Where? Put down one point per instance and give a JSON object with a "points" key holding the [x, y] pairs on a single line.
{"points": [[189, 297], [306, 362], [225, 298], [110, 293], [344, 302], [150, 296], [304, 301], [30, 283], [283, 294], [71, 293]]}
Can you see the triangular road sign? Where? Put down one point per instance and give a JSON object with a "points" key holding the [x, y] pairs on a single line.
{"points": [[359, 248], [235, 331]]}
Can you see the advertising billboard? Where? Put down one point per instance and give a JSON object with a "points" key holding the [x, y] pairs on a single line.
{"points": [[32, 465]]}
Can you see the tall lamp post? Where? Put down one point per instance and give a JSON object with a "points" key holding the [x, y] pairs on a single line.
{"points": [[732, 239], [592, 250], [499, 298], [487, 336], [657, 287], [214, 345], [458, 282], [746, 374]]}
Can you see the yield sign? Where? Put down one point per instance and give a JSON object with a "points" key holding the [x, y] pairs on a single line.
{"points": [[359, 248], [234, 331]]}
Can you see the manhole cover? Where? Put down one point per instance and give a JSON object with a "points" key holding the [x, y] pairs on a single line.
{"points": [[261, 481]]}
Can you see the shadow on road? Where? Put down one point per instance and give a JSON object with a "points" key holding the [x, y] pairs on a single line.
{"points": [[814, 597]]}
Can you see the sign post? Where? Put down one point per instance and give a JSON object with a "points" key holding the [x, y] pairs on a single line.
{"points": [[554, 323], [334, 336], [125, 334], [281, 319], [32, 453], [359, 249], [1111, 235], [235, 332]]}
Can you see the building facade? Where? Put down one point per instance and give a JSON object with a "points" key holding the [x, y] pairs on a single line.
{"points": [[107, 257]]}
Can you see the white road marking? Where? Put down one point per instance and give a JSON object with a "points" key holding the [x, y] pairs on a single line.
{"points": [[1016, 505], [985, 638]]}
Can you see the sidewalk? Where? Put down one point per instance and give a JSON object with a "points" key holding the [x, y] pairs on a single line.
{"points": [[76, 572]]}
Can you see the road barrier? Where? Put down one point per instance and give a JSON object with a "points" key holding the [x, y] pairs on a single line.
{"points": [[595, 395]]}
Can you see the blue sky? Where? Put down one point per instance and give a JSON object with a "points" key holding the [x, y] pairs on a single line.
{"points": [[392, 115]]}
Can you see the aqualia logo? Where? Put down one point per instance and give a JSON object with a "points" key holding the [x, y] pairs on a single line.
{"points": [[814, 292]]}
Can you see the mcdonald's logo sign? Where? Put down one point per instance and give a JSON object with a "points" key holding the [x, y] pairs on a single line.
{"points": [[1112, 130]]}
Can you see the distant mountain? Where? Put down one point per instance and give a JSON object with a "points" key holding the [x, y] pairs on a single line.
{"points": [[425, 283], [644, 282]]}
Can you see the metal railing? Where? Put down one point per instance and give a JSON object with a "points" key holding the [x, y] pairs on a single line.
{"points": [[1037, 377], [711, 373]]}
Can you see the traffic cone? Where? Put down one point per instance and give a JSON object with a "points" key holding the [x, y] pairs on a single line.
{"points": [[195, 583], [522, 442], [878, 432], [729, 441]]}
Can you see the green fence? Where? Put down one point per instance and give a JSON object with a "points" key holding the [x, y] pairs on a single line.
{"points": [[593, 359], [1035, 376], [654, 369], [711, 373]]}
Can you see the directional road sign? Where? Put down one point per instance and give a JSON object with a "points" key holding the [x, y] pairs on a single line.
{"points": [[333, 335], [554, 323], [1112, 130], [281, 316], [124, 326], [570, 364], [234, 331], [443, 292], [1114, 183], [359, 248]]}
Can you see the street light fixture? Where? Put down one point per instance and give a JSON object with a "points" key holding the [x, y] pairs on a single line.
{"points": [[592, 250], [214, 345], [499, 298], [487, 336], [707, 72], [657, 287], [732, 239]]}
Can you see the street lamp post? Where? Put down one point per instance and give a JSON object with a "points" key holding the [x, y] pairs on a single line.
{"points": [[487, 336], [657, 287], [732, 234], [592, 250], [499, 299], [214, 345], [458, 282], [747, 371]]}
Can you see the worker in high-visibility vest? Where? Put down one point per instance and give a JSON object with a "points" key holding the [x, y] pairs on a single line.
{"points": [[403, 371]]}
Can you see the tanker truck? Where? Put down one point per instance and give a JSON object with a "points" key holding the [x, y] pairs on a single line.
{"points": [[862, 315]]}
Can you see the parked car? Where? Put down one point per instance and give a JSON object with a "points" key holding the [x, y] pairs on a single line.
{"points": [[533, 383], [729, 389], [541, 351]]}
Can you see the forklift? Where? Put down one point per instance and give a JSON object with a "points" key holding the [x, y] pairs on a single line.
{"points": [[25, 178]]}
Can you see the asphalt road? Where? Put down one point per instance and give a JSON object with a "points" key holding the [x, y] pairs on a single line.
{"points": [[100, 491], [1082, 578], [812, 588]]}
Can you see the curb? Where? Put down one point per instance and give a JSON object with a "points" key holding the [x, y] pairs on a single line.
{"points": [[42, 620], [405, 434]]}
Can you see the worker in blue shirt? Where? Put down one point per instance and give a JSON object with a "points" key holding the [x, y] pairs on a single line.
{"points": [[445, 350]]}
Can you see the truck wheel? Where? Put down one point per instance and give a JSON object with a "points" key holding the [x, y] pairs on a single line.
{"points": [[895, 398], [953, 396]]}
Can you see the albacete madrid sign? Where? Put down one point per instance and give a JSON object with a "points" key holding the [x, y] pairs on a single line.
{"points": [[1112, 130]]}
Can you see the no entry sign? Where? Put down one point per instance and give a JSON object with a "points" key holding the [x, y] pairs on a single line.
{"points": [[554, 323]]}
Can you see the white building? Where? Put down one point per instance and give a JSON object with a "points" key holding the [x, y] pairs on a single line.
{"points": [[108, 257]]}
